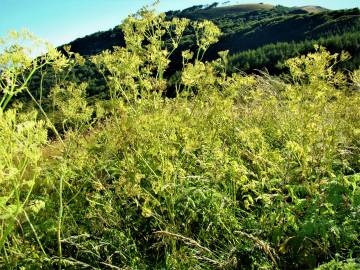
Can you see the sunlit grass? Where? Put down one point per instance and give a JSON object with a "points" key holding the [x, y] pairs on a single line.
{"points": [[236, 172]]}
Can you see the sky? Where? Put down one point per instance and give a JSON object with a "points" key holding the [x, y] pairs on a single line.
{"points": [[61, 21]]}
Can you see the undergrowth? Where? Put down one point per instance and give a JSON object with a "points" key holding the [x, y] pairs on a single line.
{"points": [[236, 172]]}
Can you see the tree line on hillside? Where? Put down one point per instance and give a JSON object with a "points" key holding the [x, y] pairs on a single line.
{"points": [[272, 56]]}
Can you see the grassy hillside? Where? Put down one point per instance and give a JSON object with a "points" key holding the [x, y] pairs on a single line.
{"points": [[216, 12], [290, 28], [257, 39], [305, 28], [250, 27], [272, 57], [313, 9]]}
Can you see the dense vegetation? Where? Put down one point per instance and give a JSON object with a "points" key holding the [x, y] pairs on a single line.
{"points": [[252, 30], [273, 56], [235, 172]]}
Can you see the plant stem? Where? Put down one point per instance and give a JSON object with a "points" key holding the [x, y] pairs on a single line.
{"points": [[61, 209]]}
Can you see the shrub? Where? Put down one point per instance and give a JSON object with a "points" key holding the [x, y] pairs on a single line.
{"points": [[237, 171]]}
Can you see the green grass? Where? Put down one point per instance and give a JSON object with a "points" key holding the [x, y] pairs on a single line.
{"points": [[236, 172]]}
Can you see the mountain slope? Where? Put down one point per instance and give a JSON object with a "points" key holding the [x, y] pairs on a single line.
{"points": [[250, 27], [289, 28], [199, 12], [313, 9]]}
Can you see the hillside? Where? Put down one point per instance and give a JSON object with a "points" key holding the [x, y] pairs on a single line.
{"points": [[313, 9], [251, 27], [212, 12], [295, 29], [237, 15]]}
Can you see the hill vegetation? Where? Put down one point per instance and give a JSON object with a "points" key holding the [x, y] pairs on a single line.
{"points": [[258, 37], [313, 9], [252, 29], [213, 11], [236, 171]]}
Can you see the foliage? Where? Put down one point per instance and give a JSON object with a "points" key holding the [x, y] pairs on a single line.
{"points": [[273, 56], [251, 27], [235, 172], [257, 37]]}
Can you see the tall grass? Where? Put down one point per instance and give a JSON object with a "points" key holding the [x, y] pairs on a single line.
{"points": [[236, 172]]}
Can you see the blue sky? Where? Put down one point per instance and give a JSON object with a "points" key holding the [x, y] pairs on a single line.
{"points": [[61, 21]]}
